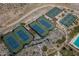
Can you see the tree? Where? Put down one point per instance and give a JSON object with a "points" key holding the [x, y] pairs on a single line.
{"points": [[44, 48]]}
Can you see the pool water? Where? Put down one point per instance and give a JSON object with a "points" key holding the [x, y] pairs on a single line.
{"points": [[76, 43]]}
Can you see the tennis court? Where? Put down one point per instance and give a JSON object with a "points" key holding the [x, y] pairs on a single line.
{"points": [[54, 12], [68, 20], [23, 34], [12, 43], [45, 22], [39, 29]]}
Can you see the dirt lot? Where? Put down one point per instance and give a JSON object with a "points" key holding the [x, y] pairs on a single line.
{"points": [[11, 12]]}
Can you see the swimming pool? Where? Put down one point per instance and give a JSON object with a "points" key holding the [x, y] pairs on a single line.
{"points": [[76, 42]]}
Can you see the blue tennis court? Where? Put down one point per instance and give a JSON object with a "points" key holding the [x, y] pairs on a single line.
{"points": [[45, 22], [12, 43], [23, 34], [41, 30], [37, 28], [53, 12], [68, 20]]}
